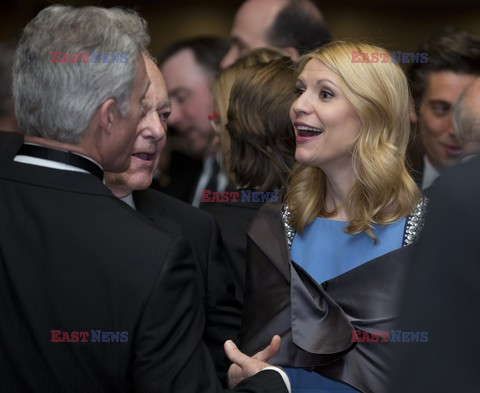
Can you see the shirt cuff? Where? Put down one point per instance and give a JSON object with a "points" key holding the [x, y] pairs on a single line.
{"points": [[284, 376]]}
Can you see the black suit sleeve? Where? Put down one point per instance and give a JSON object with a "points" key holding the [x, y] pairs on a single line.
{"points": [[170, 355]]}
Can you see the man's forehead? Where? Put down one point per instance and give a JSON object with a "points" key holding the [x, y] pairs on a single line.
{"points": [[265, 10], [179, 61], [183, 71], [260, 13], [447, 84], [157, 89], [254, 19]]}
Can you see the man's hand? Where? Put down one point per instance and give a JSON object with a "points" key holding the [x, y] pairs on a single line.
{"points": [[245, 366]]}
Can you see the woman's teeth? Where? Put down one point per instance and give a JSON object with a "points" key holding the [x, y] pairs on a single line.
{"points": [[305, 131]]}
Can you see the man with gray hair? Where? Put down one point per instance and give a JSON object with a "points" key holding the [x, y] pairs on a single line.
{"points": [[295, 26], [93, 297], [466, 119]]}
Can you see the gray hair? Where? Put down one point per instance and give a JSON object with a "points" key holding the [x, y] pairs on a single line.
{"points": [[466, 120], [57, 100]]}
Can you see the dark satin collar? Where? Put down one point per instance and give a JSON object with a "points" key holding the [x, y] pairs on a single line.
{"points": [[62, 156]]}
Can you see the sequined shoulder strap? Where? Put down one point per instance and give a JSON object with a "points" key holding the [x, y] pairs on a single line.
{"points": [[413, 225], [415, 222], [289, 231]]}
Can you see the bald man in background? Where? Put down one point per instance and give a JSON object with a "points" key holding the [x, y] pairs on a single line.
{"points": [[295, 26]]}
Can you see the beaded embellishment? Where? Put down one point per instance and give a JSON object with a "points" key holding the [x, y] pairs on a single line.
{"points": [[289, 231], [415, 222], [413, 226]]}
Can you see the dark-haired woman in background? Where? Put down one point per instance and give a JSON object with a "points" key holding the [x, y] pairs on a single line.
{"points": [[258, 145]]}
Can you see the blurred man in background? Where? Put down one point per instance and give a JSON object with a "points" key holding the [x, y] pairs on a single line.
{"points": [[295, 26], [453, 64], [189, 68]]}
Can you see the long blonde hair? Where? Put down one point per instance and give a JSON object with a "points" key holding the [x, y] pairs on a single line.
{"points": [[383, 190]]}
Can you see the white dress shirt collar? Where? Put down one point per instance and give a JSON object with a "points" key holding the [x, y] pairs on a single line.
{"points": [[430, 174]]}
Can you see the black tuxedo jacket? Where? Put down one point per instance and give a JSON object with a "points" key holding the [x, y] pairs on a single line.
{"points": [[73, 258], [234, 219], [442, 294], [222, 310], [182, 176]]}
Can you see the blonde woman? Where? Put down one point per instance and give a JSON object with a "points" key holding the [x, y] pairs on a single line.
{"points": [[328, 283]]}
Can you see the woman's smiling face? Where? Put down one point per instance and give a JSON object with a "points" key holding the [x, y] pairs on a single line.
{"points": [[326, 125]]}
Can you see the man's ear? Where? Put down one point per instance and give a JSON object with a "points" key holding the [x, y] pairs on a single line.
{"points": [[292, 52], [107, 114]]}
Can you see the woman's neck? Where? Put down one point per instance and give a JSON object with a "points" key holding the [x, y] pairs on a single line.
{"points": [[338, 185]]}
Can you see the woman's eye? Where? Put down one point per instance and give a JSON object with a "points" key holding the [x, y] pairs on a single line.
{"points": [[325, 94], [299, 91]]}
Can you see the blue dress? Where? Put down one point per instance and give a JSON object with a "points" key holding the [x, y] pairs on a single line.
{"points": [[325, 251]]}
